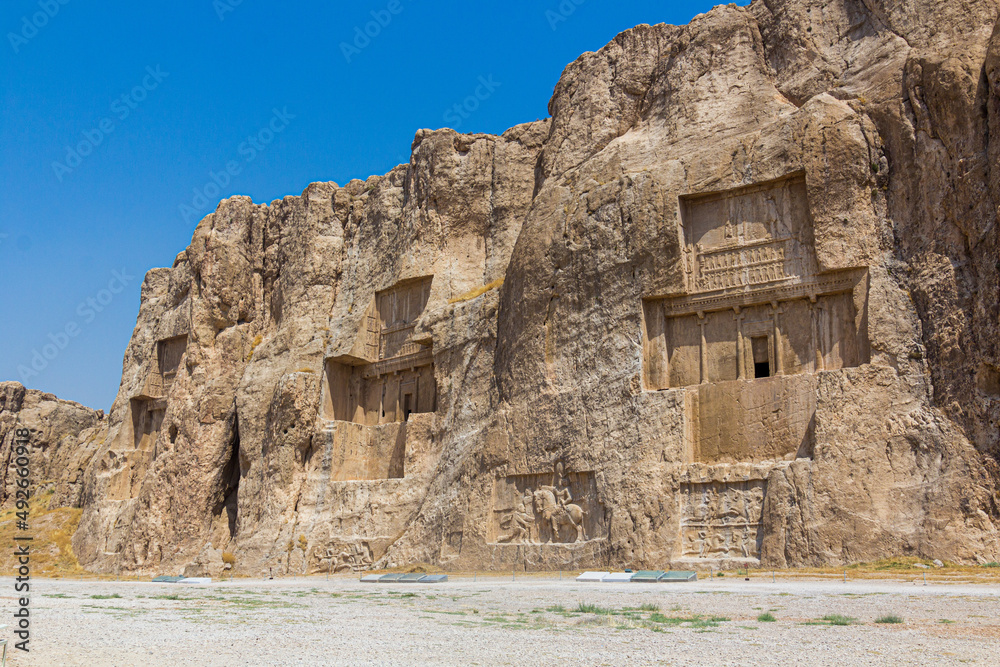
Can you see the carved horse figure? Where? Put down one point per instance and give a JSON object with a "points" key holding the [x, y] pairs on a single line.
{"points": [[559, 515]]}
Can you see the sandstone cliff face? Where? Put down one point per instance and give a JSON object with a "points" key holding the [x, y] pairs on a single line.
{"points": [[63, 437], [736, 301]]}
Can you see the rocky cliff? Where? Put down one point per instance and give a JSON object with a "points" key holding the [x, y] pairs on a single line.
{"points": [[62, 439], [736, 302]]}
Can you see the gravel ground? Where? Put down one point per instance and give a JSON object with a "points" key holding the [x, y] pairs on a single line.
{"points": [[494, 621]]}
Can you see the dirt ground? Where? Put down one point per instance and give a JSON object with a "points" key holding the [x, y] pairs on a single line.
{"points": [[539, 620]]}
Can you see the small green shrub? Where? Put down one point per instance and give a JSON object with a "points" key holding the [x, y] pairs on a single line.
{"points": [[889, 618], [766, 617], [649, 607]]}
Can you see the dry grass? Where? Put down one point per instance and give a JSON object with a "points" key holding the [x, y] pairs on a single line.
{"points": [[51, 545], [468, 296], [256, 341]]}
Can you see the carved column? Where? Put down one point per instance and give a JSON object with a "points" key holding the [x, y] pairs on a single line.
{"points": [[740, 353], [814, 313], [779, 366], [704, 348]]}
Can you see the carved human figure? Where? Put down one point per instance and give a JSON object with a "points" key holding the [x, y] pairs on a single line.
{"points": [[521, 519], [703, 507], [772, 216], [557, 514], [563, 494], [713, 502], [354, 557], [747, 543], [702, 543], [738, 506]]}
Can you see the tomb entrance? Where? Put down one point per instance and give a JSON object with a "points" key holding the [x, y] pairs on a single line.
{"points": [[371, 395], [754, 309], [395, 376], [149, 406]]}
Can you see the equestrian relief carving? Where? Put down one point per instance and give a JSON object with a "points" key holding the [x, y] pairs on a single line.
{"points": [[546, 508]]}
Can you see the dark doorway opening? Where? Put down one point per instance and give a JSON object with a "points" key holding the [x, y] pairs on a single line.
{"points": [[761, 357], [407, 406]]}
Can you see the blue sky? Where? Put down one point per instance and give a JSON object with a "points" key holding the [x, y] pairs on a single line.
{"points": [[116, 114]]}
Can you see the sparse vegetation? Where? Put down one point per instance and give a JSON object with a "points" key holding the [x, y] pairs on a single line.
{"points": [[696, 621], [889, 618], [766, 617], [253, 346], [593, 609], [468, 296], [838, 619], [228, 558], [52, 532], [649, 607]]}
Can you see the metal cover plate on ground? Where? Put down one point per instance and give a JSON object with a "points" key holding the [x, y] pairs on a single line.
{"points": [[680, 575], [647, 576], [371, 578], [164, 579], [618, 577], [195, 580], [413, 577], [434, 578], [592, 576], [389, 578]]}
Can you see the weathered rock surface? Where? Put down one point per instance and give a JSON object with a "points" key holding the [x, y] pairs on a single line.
{"points": [[736, 301], [63, 437]]}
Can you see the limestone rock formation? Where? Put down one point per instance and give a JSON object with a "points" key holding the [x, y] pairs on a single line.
{"points": [[62, 440], [734, 302]]}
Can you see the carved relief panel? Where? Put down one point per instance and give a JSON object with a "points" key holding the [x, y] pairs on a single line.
{"points": [[722, 520], [547, 508], [351, 557], [754, 236], [754, 304], [396, 377]]}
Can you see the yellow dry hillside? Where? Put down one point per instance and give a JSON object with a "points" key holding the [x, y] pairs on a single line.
{"points": [[51, 531]]}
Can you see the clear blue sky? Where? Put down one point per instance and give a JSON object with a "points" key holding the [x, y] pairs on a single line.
{"points": [[159, 94]]}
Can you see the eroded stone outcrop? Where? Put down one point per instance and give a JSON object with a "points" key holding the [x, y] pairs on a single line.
{"points": [[62, 438], [735, 302]]}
